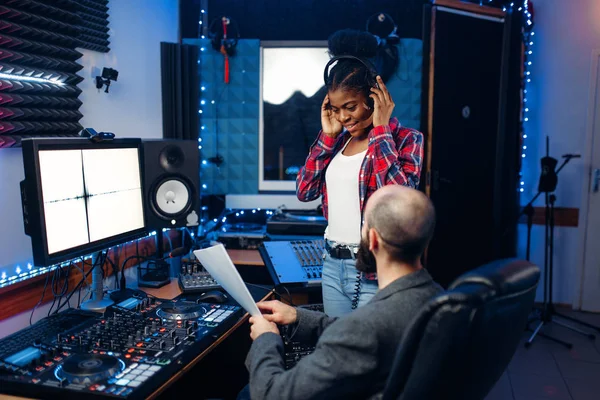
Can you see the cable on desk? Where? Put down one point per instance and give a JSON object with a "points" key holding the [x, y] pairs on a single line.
{"points": [[41, 298]]}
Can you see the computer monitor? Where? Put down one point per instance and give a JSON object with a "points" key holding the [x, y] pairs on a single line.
{"points": [[80, 197]]}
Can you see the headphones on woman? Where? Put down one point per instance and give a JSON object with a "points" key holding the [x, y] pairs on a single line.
{"points": [[220, 34], [371, 77]]}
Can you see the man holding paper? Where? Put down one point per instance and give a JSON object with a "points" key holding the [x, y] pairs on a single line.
{"points": [[354, 353]]}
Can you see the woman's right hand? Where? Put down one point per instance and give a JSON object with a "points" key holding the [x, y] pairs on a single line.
{"points": [[331, 126], [276, 311]]}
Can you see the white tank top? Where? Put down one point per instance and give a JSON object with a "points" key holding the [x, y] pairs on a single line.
{"points": [[344, 217]]}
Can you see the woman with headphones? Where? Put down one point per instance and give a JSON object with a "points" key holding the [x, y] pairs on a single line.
{"points": [[360, 148]]}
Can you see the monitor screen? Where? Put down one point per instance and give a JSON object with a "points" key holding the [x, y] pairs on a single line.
{"points": [[292, 90], [80, 197]]}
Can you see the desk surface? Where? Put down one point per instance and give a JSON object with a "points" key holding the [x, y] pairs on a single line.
{"points": [[246, 257]]}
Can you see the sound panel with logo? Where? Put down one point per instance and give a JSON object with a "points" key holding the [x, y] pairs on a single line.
{"points": [[471, 122], [171, 183]]}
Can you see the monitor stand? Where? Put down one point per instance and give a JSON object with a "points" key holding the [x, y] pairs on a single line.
{"points": [[97, 303]]}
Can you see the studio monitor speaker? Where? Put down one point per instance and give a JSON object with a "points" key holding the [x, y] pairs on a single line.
{"points": [[171, 183]]}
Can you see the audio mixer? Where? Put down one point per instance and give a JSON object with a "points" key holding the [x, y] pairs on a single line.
{"points": [[129, 351], [294, 262], [193, 278]]}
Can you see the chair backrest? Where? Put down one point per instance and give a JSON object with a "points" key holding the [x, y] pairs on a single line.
{"points": [[460, 343]]}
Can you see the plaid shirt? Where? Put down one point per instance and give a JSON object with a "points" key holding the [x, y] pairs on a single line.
{"points": [[393, 157]]}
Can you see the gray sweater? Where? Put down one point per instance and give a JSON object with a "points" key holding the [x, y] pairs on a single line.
{"points": [[354, 353]]}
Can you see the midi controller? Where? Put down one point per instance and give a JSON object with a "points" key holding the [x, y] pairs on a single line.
{"points": [[129, 351]]}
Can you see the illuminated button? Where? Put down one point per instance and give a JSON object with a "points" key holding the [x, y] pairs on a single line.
{"points": [[134, 383], [122, 382]]}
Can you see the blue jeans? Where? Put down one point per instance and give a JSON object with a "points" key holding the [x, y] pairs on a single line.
{"points": [[339, 283]]}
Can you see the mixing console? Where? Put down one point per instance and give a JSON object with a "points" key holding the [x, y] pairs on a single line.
{"points": [[294, 262], [127, 352], [193, 278]]}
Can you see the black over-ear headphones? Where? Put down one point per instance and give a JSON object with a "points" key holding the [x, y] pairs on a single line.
{"points": [[223, 31], [371, 77], [372, 72], [381, 18]]}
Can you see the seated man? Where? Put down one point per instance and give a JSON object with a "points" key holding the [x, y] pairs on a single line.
{"points": [[354, 353]]}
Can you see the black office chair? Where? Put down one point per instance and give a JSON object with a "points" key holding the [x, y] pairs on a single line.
{"points": [[461, 342]]}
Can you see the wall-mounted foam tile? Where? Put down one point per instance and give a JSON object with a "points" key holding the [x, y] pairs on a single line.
{"points": [[233, 117], [405, 84]]}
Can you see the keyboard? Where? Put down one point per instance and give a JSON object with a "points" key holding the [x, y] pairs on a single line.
{"points": [[294, 351], [45, 330]]}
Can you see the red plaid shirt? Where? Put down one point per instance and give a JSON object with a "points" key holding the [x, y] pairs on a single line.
{"points": [[393, 157]]}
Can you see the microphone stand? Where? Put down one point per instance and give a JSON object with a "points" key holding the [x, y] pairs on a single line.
{"points": [[548, 309]]}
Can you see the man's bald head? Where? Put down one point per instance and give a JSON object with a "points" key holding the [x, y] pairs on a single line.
{"points": [[404, 218]]}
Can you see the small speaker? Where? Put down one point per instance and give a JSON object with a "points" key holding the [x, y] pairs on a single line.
{"points": [[171, 183]]}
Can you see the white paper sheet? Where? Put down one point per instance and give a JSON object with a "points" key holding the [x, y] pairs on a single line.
{"points": [[218, 263]]}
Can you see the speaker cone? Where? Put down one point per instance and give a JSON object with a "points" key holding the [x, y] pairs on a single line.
{"points": [[171, 158], [171, 198]]}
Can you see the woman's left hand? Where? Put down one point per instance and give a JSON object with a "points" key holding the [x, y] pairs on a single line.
{"points": [[383, 104]]}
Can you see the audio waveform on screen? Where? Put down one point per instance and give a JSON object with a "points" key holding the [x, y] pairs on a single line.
{"points": [[87, 196]]}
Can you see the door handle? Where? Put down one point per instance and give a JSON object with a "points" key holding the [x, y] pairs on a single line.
{"points": [[596, 185]]}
